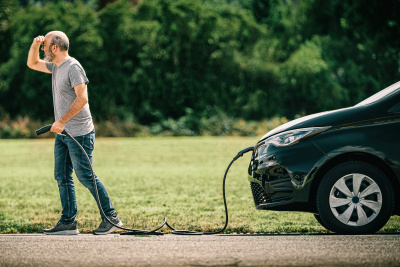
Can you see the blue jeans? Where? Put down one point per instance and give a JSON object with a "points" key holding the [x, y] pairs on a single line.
{"points": [[68, 156]]}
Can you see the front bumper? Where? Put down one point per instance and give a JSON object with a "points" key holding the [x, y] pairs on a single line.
{"points": [[279, 177]]}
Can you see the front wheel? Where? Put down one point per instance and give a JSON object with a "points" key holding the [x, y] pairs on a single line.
{"points": [[319, 220], [355, 198]]}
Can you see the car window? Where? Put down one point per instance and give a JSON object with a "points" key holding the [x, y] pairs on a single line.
{"points": [[380, 95]]}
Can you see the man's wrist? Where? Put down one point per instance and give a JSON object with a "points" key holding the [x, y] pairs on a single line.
{"points": [[35, 46], [63, 121]]}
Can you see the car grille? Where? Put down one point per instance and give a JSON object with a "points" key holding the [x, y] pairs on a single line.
{"points": [[259, 194]]}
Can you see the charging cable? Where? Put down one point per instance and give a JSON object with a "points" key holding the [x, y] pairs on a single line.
{"points": [[156, 231]]}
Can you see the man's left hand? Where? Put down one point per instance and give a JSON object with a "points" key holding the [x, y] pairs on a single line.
{"points": [[57, 127]]}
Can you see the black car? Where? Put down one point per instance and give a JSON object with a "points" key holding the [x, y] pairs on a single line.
{"points": [[342, 165]]}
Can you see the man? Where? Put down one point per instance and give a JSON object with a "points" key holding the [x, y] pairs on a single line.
{"points": [[71, 111]]}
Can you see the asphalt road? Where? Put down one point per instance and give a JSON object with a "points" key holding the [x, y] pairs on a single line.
{"points": [[216, 250]]}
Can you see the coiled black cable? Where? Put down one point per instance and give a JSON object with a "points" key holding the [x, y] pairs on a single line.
{"points": [[47, 128]]}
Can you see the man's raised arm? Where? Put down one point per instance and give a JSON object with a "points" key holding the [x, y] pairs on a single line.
{"points": [[34, 62]]}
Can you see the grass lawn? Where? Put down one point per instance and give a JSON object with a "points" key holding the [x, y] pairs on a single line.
{"points": [[148, 179]]}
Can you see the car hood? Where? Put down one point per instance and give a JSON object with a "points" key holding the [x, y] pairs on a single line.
{"points": [[322, 119]]}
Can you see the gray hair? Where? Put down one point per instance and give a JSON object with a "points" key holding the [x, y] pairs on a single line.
{"points": [[61, 41]]}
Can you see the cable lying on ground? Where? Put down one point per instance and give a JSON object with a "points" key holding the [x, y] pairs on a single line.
{"points": [[156, 231]]}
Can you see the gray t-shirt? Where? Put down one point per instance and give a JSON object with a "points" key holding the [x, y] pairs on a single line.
{"points": [[64, 79]]}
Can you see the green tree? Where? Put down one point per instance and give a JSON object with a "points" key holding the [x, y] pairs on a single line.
{"points": [[7, 9], [363, 52], [183, 54], [308, 84]]}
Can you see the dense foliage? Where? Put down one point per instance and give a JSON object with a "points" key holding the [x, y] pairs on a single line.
{"points": [[157, 61]]}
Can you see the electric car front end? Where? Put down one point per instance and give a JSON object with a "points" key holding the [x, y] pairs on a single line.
{"points": [[341, 165]]}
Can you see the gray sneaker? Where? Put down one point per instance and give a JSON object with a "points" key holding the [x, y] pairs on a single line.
{"points": [[106, 228], [62, 228]]}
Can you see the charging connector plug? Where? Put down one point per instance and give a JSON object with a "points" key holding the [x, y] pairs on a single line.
{"points": [[242, 152]]}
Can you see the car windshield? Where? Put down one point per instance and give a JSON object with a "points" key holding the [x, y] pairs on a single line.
{"points": [[381, 94]]}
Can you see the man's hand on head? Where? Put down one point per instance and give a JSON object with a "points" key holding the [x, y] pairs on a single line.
{"points": [[38, 41]]}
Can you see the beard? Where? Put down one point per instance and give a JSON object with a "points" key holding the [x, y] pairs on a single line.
{"points": [[49, 57]]}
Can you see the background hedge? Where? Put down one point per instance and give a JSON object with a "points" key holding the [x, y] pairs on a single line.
{"points": [[157, 62]]}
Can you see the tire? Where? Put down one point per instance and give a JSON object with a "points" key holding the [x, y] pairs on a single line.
{"points": [[355, 198], [318, 218]]}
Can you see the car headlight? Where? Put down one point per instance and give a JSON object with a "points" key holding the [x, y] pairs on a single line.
{"points": [[292, 137]]}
